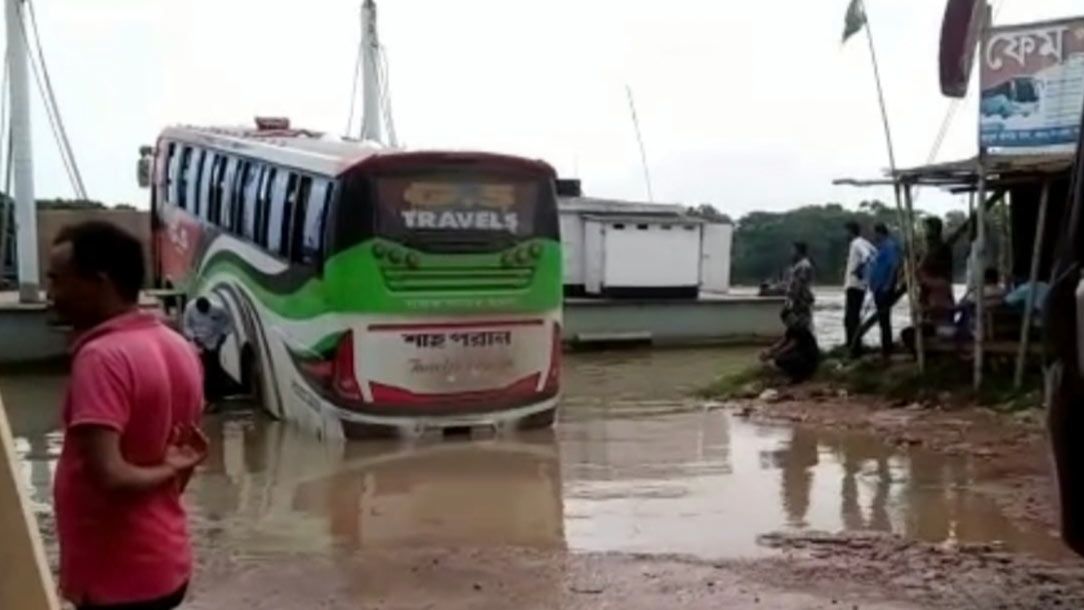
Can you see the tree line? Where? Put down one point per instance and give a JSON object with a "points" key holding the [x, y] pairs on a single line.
{"points": [[762, 240]]}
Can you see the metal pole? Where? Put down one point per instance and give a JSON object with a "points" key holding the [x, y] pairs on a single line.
{"points": [[912, 279], [980, 278], [371, 128], [26, 219], [908, 219], [1033, 277], [881, 98]]}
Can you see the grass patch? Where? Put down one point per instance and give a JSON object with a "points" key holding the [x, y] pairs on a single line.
{"points": [[947, 381], [745, 383]]}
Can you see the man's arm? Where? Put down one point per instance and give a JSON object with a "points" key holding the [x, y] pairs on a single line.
{"points": [[100, 407], [852, 261], [100, 448]]}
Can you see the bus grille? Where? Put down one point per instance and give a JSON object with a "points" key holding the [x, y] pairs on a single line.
{"points": [[457, 279]]}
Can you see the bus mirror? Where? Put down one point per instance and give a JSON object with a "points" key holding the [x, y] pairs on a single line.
{"points": [[143, 170]]}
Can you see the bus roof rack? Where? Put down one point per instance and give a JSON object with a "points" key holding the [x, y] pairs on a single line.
{"points": [[271, 123]]}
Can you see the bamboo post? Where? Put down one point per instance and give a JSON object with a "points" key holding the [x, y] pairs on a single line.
{"points": [[911, 263], [980, 279], [25, 581], [1006, 240], [1033, 277]]}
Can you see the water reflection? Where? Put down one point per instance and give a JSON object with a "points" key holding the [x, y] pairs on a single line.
{"points": [[650, 474], [268, 487]]}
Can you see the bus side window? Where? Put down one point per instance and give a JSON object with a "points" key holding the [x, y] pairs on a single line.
{"points": [[195, 168], [224, 218], [289, 210], [182, 177], [207, 175], [252, 200], [298, 218], [278, 211], [312, 240], [214, 180], [240, 189], [263, 203], [167, 194]]}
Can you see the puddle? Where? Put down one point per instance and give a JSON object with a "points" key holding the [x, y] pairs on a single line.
{"points": [[633, 467]]}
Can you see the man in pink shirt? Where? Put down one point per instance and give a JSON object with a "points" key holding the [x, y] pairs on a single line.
{"points": [[130, 436]]}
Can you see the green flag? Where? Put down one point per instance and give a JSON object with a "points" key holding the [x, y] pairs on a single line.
{"points": [[855, 20]]}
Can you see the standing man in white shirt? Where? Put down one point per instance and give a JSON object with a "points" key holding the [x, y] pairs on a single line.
{"points": [[206, 325], [855, 284]]}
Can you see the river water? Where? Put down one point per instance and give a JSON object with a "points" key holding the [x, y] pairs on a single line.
{"points": [[635, 465]]}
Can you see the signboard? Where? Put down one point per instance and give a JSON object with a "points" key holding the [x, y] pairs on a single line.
{"points": [[1032, 84], [456, 205]]}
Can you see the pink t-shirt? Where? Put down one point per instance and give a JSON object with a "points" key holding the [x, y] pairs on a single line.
{"points": [[137, 376]]}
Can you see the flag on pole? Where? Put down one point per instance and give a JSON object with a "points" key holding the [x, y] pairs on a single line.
{"points": [[855, 20]]}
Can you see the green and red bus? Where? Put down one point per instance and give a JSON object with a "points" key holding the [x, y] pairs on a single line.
{"points": [[371, 291]]}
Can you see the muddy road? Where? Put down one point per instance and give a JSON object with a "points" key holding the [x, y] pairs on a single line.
{"points": [[641, 498]]}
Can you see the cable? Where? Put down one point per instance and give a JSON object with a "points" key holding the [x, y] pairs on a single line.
{"points": [[954, 107], [354, 94], [950, 113], [385, 97], [62, 133]]}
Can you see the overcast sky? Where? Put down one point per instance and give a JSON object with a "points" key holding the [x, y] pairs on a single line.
{"points": [[750, 105]]}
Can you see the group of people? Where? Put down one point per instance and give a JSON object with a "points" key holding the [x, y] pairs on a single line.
{"points": [[872, 273], [872, 268]]}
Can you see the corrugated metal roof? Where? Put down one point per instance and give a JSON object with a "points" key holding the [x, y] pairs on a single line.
{"points": [[1001, 170], [592, 205], [995, 166], [647, 220]]}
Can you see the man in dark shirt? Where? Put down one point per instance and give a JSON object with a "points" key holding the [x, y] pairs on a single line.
{"points": [[1064, 331]]}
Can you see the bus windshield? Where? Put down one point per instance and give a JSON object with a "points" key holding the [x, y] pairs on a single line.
{"points": [[456, 208]]}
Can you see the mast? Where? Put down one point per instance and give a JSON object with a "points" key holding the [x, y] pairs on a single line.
{"points": [[371, 128], [26, 218]]}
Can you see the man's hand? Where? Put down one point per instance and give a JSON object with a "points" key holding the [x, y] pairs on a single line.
{"points": [[188, 447]]}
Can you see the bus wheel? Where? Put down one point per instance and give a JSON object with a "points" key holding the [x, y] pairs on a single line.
{"points": [[536, 421], [253, 379]]}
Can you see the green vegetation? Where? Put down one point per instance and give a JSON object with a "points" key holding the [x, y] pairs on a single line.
{"points": [[946, 382], [762, 240], [746, 383]]}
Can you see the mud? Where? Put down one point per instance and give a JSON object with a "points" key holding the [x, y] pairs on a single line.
{"points": [[641, 498]]}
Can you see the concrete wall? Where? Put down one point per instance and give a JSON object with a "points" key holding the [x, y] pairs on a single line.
{"points": [[729, 320], [50, 223]]}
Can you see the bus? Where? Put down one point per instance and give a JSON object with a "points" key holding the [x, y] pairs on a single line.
{"points": [[372, 292]]}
